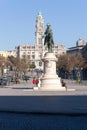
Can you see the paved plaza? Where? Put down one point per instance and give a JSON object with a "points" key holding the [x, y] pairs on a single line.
{"points": [[23, 108], [23, 98], [14, 121]]}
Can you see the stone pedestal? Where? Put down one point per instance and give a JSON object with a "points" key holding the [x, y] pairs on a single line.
{"points": [[50, 80]]}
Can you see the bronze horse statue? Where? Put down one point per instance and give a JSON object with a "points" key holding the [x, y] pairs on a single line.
{"points": [[49, 39]]}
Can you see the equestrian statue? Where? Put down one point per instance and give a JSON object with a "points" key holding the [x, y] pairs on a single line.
{"points": [[48, 41]]}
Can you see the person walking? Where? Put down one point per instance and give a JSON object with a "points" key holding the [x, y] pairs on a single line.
{"points": [[37, 81], [34, 82], [63, 84], [17, 80], [79, 80]]}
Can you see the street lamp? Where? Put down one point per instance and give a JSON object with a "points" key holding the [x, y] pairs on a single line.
{"points": [[79, 74], [2, 68], [38, 72], [8, 70]]}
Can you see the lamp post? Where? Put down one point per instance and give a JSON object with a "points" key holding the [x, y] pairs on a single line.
{"points": [[2, 68], [38, 72], [8, 70], [79, 74], [76, 70]]}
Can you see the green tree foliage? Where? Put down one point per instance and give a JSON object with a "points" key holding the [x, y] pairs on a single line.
{"points": [[32, 66]]}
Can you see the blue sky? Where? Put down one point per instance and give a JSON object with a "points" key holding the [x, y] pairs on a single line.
{"points": [[68, 19]]}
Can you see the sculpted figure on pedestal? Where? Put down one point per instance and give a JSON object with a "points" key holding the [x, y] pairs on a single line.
{"points": [[48, 41]]}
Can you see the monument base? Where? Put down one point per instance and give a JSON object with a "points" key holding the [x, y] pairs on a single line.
{"points": [[50, 80], [53, 84]]}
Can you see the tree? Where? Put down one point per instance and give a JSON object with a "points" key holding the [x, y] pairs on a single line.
{"points": [[77, 60], [62, 65], [84, 54], [24, 65], [67, 63], [15, 61], [20, 64], [62, 62], [32, 66], [2, 59]]}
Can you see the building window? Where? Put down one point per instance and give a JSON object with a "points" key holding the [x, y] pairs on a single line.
{"points": [[28, 47], [40, 63], [40, 47], [33, 56], [29, 56], [24, 47], [33, 52], [40, 56], [24, 53], [33, 63], [23, 56], [40, 24], [39, 40], [33, 46]]}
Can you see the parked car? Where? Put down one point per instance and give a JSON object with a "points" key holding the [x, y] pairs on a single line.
{"points": [[10, 78], [25, 77], [3, 81]]}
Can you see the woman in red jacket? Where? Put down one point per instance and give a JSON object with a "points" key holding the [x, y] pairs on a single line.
{"points": [[34, 82]]}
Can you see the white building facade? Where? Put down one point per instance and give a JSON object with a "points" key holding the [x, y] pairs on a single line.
{"points": [[80, 44], [35, 52]]}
